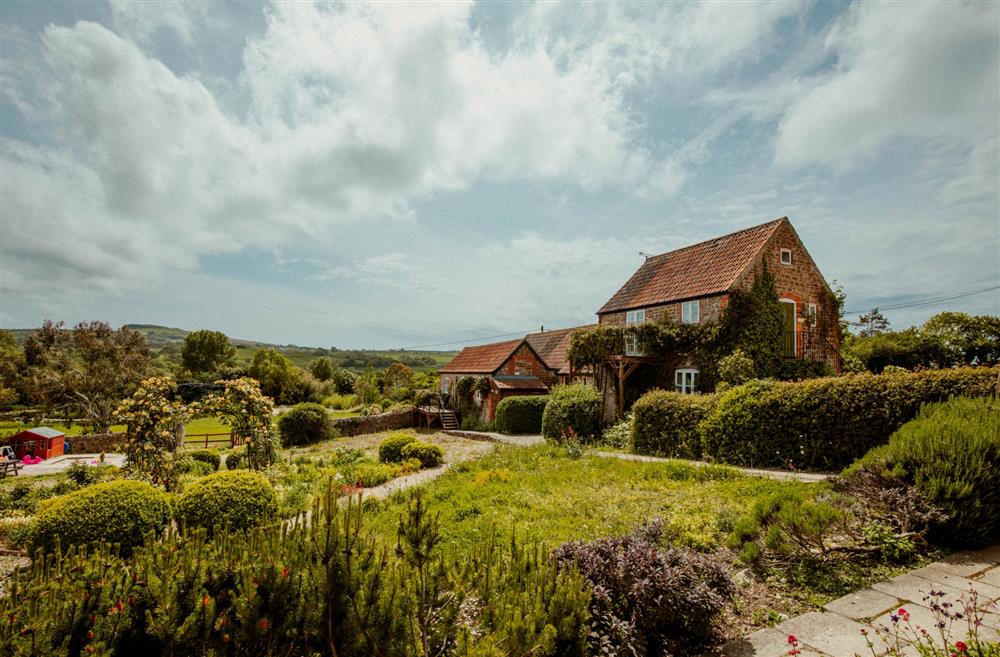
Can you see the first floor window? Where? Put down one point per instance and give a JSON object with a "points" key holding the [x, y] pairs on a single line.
{"points": [[633, 318], [686, 380], [690, 312], [447, 384]]}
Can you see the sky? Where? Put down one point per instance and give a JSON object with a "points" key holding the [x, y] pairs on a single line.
{"points": [[394, 175]]}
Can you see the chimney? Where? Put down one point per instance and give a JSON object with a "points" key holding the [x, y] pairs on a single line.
{"points": [[542, 330]]}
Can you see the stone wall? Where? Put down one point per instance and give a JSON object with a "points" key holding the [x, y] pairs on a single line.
{"points": [[354, 426], [94, 443]]}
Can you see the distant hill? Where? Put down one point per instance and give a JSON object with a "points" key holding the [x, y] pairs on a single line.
{"points": [[166, 340]]}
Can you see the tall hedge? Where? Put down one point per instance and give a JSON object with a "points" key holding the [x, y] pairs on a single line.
{"points": [[520, 415], [665, 423], [825, 424], [576, 407], [120, 512], [951, 453]]}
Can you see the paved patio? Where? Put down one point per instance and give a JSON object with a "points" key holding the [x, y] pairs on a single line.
{"points": [[836, 631], [60, 463]]}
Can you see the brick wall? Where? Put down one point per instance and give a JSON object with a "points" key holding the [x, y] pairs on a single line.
{"points": [[709, 309], [525, 362]]}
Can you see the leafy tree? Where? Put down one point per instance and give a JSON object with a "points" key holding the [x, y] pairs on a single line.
{"points": [[11, 367], [397, 377], [872, 323], [279, 377], [322, 369], [206, 351], [961, 338], [85, 372]]}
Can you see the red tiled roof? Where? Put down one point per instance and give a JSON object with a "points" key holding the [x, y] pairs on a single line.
{"points": [[551, 347], [482, 359], [709, 267], [519, 383]]}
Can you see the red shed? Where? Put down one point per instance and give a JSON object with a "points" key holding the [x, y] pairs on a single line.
{"points": [[40, 441]]}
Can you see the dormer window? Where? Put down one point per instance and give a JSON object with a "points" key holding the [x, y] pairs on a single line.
{"points": [[786, 257], [690, 312]]}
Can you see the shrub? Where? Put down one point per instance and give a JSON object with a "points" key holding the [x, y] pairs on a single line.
{"points": [[736, 368], [339, 402], [304, 424], [665, 423], [369, 474], [209, 456], [951, 453], [236, 459], [120, 512], [520, 415], [646, 600], [187, 465], [82, 475], [390, 450], [238, 499], [576, 407], [618, 434], [826, 423], [430, 456]]}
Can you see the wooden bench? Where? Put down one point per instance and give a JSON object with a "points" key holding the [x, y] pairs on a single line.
{"points": [[9, 466]]}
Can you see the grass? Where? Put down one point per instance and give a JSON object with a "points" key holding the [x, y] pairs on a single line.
{"points": [[545, 496]]}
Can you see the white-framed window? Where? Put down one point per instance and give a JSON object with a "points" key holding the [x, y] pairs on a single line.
{"points": [[690, 312], [633, 318], [811, 312], [786, 257], [686, 380], [446, 384]]}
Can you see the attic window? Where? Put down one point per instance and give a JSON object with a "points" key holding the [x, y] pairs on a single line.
{"points": [[786, 257], [690, 312]]}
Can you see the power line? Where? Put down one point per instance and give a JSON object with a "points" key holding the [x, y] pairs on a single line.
{"points": [[485, 337], [927, 302]]}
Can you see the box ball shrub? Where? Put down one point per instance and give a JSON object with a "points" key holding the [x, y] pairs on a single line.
{"points": [[520, 415], [120, 512], [304, 424], [951, 453], [390, 450], [576, 407], [430, 456], [240, 499], [665, 423], [825, 424], [236, 459], [209, 456]]}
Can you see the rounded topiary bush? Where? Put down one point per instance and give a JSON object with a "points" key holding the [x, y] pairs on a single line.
{"points": [[390, 450], [237, 498], [120, 512], [209, 456], [951, 453], [520, 415], [236, 459], [304, 424], [573, 407], [430, 456], [665, 423]]}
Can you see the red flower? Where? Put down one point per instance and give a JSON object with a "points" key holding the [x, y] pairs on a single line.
{"points": [[263, 624], [960, 646], [284, 572], [791, 639]]}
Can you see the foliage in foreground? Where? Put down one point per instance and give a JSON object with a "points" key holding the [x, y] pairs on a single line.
{"points": [[951, 454], [237, 498], [649, 601], [326, 587]]}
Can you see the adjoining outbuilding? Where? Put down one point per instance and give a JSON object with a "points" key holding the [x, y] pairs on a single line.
{"points": [[40, 442]]}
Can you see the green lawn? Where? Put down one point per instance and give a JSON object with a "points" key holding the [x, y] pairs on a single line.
{"points": [[548, 497]]}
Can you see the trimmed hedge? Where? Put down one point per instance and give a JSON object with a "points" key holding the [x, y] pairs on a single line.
{"points": [[209, 456], [520, 415], [236, 458], [951, 453], [665, 423], [825, 424], [430, 456], [238, 498], [576, 407], [304, 424], [390, 450], [120, 512]]}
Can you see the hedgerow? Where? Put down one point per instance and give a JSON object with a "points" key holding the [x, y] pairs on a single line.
{"points": [[520, 415], [572, 407], [826, 423], [665, 423]]}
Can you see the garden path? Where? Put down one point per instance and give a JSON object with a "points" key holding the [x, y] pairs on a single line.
{"points": [[529, 440], [60, 463], [837, 630]]}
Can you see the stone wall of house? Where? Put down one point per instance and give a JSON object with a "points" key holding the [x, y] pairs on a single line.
{"points": [[354, 426], [94, 443], [525, 362], [709, 310]]}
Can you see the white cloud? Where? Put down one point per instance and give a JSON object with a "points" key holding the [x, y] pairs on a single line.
{"points": [[922, 70], [142, 20]]}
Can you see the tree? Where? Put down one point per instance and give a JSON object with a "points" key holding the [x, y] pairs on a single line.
{"points": [[397, 377], [155, 417], [872, 323], [206, 351], [961, 338], [85, 372], [279, 377], [322, 369], [242, 406], [11, 367]]}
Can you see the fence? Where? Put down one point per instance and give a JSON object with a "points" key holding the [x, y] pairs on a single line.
{"points": [[207, 439]]}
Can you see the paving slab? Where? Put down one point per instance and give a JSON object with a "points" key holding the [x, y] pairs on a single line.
{"points": [[914, 589], [830, 634], [934, 574], [768, 642], [966, 564], [864, 604], [923, 618], [991, 577]]}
